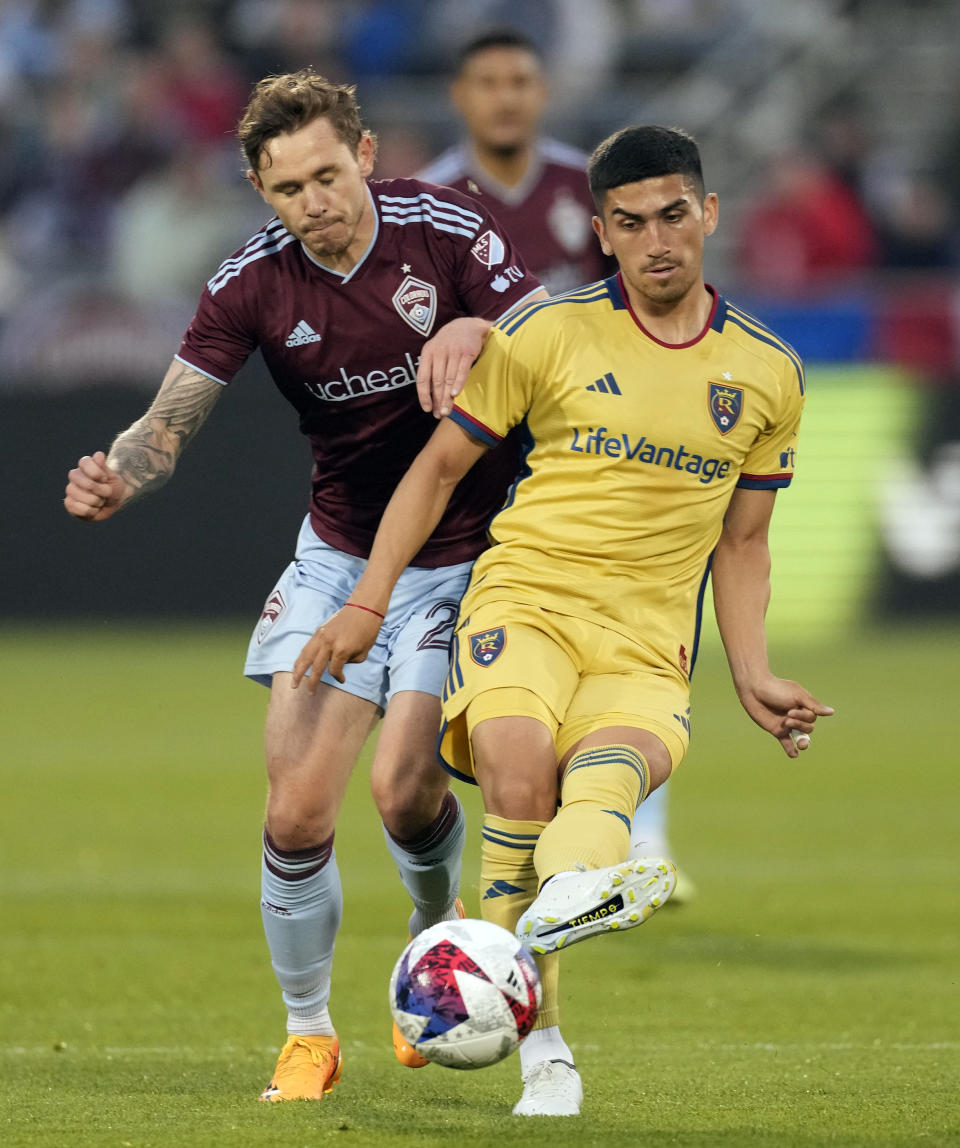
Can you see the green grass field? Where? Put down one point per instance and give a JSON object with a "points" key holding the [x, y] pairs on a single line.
{"points": [[809, 996]]}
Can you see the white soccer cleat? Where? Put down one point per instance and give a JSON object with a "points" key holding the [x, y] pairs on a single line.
{"points": [[685, 889], [550, 1088], [574, 906]]}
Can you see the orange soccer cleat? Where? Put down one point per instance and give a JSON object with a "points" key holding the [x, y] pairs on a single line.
{"points": [[308, 1066]]}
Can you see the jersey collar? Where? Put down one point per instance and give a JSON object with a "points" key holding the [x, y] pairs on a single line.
{"points": [[346, 276], [714, 320]]}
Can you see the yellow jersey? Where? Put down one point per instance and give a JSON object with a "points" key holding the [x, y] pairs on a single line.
{"points": [[633, 448]]}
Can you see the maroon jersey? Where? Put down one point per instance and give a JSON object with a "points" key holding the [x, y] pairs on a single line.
{"points": [[548, 213], [343, 349]]}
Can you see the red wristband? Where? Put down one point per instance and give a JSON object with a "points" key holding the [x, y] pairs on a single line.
{"points": [[357, 606]]}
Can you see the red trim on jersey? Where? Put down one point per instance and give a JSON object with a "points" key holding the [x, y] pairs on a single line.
{"points": [[783, 476], [484, 433], [660, 342]]}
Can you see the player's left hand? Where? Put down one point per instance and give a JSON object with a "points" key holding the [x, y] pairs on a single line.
{"points": [[784, 709], [346, 637], [445, 362]]}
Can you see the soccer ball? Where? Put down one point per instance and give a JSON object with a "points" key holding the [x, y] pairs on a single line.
{"points": [[465, 993]]}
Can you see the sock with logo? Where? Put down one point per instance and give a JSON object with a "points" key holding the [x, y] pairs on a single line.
{"points": [[508, 884], [598, 796], [429, 865], [301, 905]]}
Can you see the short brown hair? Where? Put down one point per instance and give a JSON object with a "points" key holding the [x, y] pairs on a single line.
{"points": [[283, 104]]}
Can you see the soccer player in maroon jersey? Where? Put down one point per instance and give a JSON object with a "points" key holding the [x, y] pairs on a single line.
{"points": [[341, 293], [536, 187]]}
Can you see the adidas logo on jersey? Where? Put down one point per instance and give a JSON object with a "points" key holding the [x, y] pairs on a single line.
{"points": [[301, 334], [608, 385]]}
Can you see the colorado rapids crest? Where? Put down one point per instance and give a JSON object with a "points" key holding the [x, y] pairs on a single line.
{"points": [[416, 302]]}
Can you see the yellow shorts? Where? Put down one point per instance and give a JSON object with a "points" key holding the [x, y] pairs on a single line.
{"points": [[577, 675]]}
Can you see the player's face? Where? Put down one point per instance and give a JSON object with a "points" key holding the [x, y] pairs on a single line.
{"points": [[501, 95], [656, 230], [317, 187]]}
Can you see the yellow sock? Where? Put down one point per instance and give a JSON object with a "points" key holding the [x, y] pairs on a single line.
{"points": [[508, 885], [600, 792]]}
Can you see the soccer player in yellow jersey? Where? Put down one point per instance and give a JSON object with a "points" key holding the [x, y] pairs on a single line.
{"points": [[661, 421]]}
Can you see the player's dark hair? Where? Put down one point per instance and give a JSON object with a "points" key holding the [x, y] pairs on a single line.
{"points": [[495, 38], [283, 104], [637, 153]]}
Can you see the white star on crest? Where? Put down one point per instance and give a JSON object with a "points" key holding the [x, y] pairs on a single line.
{"points": [[405, 268], [727, 376]]}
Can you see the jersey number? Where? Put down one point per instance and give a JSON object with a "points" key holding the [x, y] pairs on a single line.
{"points": [[438, 636]]}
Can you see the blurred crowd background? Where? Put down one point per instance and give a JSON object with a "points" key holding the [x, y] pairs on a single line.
{"points": [[830, 130]]}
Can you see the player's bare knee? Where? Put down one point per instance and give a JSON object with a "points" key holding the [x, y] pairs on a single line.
{"points": [[407, 801], [296, 820], [520, 797], [293, 837]]}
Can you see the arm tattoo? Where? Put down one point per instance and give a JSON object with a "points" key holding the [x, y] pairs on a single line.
{"points": [[147, 452]]}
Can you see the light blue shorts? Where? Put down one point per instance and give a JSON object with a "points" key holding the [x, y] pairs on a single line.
{"points": [[412, 651]]}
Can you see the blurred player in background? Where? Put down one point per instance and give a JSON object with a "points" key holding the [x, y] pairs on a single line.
{"points": [[534, 186], [340, 292], [537, 189], [661, 422]]}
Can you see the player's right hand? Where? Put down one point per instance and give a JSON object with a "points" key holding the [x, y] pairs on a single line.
{"points": [[94, 491], [784, 709], [445, 362], [346, 637]]}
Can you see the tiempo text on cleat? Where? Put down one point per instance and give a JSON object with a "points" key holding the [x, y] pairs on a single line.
{"points": [[574, 906]]}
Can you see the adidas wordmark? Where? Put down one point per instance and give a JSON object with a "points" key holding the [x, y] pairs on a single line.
{"points": [[301, 334]]}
